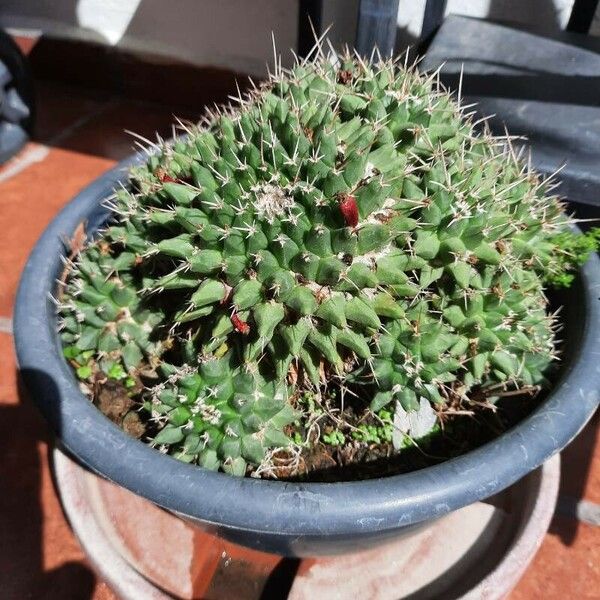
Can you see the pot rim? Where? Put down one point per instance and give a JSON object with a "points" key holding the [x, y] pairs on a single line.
{"points": [[277, 507]]}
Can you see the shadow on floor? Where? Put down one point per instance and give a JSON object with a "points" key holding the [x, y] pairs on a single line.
{"points": [[577, 462], [22, 526]]}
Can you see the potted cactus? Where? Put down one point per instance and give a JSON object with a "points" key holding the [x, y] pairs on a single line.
{"points": [[333, 273]]}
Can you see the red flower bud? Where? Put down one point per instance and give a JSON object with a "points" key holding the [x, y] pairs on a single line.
{"points": [[349, 209], [240, 325], [163, 176]]}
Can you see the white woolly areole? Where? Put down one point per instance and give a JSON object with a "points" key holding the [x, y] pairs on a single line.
{"points": [[271, 202], [370, 258]]}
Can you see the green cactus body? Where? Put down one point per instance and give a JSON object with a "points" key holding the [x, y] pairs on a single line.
{"points": [[220, 417], [342, 224]]}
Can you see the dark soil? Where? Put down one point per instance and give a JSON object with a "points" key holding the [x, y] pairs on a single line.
{"points": [[461, 433], [355, 459], [113, 400]]}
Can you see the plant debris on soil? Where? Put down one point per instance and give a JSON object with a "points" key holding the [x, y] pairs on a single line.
{"points": [[358, 456]]}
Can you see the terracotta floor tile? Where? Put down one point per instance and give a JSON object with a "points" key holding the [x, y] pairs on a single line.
{"points": [[8, 374], [26, 43], [561, 572]]}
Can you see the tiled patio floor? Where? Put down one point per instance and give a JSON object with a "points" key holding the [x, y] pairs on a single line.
{"points": [[80, 135]]}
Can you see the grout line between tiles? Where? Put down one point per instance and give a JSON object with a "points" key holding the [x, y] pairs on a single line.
{"points": [[583, 511], [31, 155], [6, 325]]}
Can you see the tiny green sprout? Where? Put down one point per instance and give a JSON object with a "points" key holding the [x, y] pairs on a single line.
{"points": [[406, 442], [369, 434], [84, 372], [386, 432], [116, 371], [85, 356], [385, 415], [71, 352], [129, 382], [308, 399], [335, 438]]}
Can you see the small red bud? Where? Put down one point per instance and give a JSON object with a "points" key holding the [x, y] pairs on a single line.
{"points": [[344, 76], [349, 209], [240, 325], [163, 176]]}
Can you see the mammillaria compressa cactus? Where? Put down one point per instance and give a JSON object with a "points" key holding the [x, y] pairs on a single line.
{"points": [[341, 228]]}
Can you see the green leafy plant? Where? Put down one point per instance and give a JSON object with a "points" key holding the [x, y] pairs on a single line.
{"points": [[341, 228], [571, 250]]}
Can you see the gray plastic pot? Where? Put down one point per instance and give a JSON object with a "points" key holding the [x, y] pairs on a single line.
{"points": [[301, 519]]}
